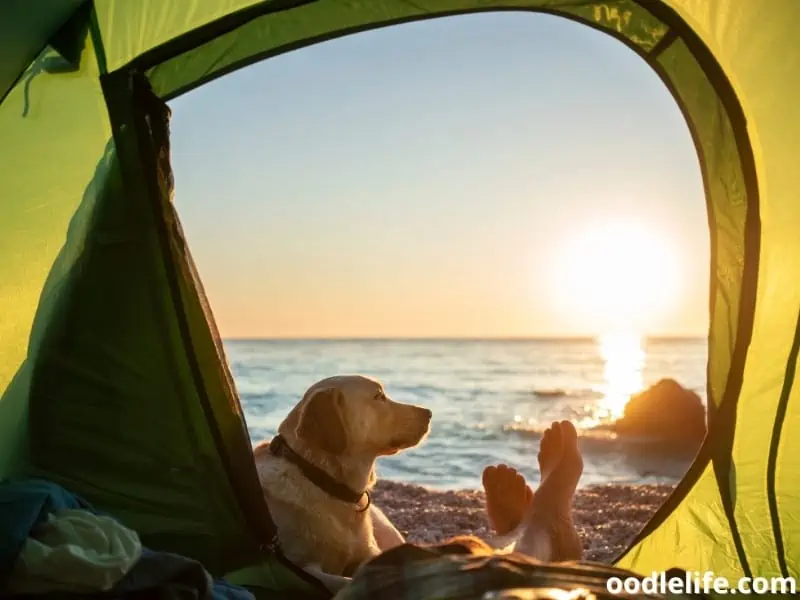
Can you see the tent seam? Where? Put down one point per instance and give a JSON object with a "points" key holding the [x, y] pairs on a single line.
{"points": [[97, 41], [664, 43], [727, 412], [272, 52], [772, 461], [208, 33]]}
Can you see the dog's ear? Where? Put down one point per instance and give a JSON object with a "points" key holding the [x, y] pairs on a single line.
{"points": [[321, 425]]}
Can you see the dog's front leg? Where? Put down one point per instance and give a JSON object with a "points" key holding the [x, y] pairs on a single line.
{"points": [[385, 533]]}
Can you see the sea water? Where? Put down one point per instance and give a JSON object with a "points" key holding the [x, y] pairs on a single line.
{"points": [[490, 398]]}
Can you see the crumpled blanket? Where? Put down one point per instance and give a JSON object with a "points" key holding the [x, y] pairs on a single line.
{"points": [[75, 550], [28, 505]]}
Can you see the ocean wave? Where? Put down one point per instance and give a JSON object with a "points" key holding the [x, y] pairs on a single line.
{"points": [[559, 393], [601, 440], [600, 432], [420, 390], [460, 454]]}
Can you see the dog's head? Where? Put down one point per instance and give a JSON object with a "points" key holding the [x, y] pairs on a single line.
{"points": [[351, 415]]}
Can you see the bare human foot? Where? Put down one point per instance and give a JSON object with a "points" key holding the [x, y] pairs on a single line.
{"points": [[561, 467], [545, 519], [508, 497]]}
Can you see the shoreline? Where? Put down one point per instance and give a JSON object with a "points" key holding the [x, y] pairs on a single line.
{"points": [[607, 516]]}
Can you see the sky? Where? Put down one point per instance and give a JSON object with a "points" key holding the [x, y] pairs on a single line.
{"points": [[492, 175]]}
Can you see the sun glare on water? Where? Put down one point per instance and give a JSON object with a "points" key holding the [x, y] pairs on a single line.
{"points": [[623, 361], [619, 278]]}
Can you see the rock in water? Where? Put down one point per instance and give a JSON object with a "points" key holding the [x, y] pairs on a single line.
{"points": [[666, 412]]}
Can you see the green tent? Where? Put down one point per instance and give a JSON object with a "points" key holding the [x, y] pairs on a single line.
{"points": [[113, 381]]}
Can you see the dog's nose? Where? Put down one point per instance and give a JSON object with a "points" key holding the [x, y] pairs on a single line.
{"points": [[428, 413]]}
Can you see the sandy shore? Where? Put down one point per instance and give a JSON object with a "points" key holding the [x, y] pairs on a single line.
{"points": [[607, 516]]}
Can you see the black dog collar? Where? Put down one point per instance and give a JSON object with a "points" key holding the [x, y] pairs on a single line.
{"points": [[329, 485]]}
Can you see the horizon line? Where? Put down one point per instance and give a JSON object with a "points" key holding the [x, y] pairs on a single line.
{"points": [[488, 338]]}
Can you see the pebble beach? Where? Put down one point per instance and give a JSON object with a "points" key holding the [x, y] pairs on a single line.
{"points": [[607, 516]]}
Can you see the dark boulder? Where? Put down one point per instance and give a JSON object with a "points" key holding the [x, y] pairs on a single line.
{"points": [[665, 412]]}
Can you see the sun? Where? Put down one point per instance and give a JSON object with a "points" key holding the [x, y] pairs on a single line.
{"points": [[617, 276]]}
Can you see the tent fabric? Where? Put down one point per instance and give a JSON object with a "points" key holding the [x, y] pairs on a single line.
{"points": [[46, 177], [111, 353], [130, 29], [113, 382]]}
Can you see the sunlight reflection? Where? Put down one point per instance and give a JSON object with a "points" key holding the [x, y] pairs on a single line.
{"points": [[623, 357]]}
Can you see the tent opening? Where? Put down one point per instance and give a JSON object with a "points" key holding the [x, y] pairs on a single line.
{"points": [[316, 218]]}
